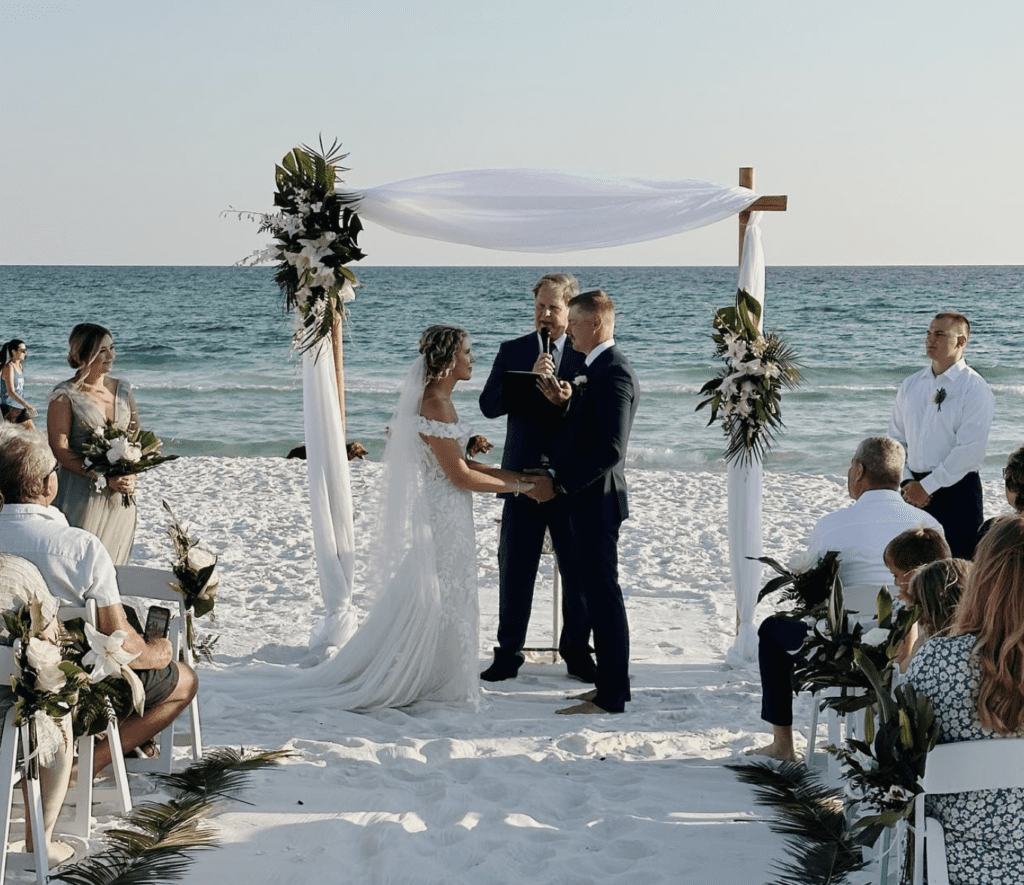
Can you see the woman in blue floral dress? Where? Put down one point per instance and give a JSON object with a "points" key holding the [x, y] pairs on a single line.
{"points": [[975, 679]]}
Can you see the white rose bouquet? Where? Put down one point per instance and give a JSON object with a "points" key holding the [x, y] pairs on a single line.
{"points": [[111, 451]]}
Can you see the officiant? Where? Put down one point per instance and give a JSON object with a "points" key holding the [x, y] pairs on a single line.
{"points": [[511, 390]]}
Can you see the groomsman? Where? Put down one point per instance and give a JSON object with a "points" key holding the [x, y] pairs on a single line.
{"points": [[588, 463], [942, 416], [545, 350]]}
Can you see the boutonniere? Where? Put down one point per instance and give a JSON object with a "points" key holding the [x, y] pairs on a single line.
{"points": [[579, 381], [939, 397]]}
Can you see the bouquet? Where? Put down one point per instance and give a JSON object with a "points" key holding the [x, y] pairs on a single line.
{"points": [[196, 571], [111, 451], [747, 393]]}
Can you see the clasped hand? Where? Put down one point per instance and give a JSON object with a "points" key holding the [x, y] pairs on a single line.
{"points": [[124, 485]]}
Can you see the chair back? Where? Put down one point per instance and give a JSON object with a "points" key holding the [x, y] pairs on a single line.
{"points": [[961, 767]]}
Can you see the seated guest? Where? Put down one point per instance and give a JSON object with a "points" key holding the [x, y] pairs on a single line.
{"points": [[975, 679], [21, 584], [859, 534], [936, 588], [76, 567], [910, 550], [1013, 480]]}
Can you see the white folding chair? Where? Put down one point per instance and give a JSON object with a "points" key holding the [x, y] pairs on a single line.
{"points": [[84, 791], [155, 583], [962, 767], [12, 739], [851, 723]]}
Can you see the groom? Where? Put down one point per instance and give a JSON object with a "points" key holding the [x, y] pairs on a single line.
{"points": [[588, 459]]}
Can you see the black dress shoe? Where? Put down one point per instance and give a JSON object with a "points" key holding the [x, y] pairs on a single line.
{"points": [[503, 668], [581, 667]]}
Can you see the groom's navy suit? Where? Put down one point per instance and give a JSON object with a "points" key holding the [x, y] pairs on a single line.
{"points": [[523, 521], [588, 457]]}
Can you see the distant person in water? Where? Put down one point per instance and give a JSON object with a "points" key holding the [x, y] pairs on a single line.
{"points": [[13, 405], [942, 417]]}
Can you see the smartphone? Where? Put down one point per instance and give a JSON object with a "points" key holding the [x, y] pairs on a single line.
{"points": [[157, 621]]}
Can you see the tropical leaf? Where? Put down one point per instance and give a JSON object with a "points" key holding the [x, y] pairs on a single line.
{"points": [[220, 772], [117, 867]]}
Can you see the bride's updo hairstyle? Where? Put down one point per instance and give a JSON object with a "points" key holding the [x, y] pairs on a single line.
{"points": [[439, 346], [84, 343]]}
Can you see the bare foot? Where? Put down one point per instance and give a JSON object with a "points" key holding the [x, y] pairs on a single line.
{"points": [[585, 707], [774, 752], [59, 852], [584, 695]]}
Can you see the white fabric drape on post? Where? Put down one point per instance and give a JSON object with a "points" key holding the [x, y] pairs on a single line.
{"points": [[744, 483], [330, 498], [516, 210], [533, 210]]}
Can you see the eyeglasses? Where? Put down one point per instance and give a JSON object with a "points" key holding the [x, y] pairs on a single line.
{"points": [[53, 470]]}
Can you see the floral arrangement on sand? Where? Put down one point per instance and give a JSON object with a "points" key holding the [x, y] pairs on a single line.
{"points": [[747, 393], [111, 451], [315, 229]]}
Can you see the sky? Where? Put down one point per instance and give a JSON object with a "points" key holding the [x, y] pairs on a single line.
{"points": [[895, 128]]}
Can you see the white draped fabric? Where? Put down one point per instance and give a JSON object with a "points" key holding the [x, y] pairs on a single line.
{"points": [[520, 210], [745, 486], [330, 498], [533, 210]]}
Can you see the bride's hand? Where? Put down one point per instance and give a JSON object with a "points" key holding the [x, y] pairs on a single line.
{"points": [[542, 489]]}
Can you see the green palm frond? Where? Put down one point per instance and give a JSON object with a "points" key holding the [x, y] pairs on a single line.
{"points": [[176, 823], [117, 867], [221, 772], [811, 813]]}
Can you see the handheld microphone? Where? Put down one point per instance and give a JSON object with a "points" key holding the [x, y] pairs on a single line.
{"points": [[545, 340]]}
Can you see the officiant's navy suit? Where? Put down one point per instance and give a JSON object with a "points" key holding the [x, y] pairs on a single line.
{"points": [[589, 457], [523, 521]]}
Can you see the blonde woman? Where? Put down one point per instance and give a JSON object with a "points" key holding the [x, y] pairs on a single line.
{"points": [[89, 400], [975, 679]]}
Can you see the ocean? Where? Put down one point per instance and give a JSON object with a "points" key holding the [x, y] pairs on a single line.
{"points": [[207, 348]]}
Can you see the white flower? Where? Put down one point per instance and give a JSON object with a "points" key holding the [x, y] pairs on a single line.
{"points": [[862, 759], [123, 450], [770, 369], [106, 654], [579, 380], [758, 346], [42, 654], [875, 636], [197, 559], [49, 740], [737, 349], [324, 277], [899, 794], [753, 367]]}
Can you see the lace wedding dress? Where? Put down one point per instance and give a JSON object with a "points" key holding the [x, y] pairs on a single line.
{"points": [[420, 638]]}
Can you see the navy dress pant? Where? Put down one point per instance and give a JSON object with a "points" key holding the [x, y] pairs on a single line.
{"points": [[779, 641]]}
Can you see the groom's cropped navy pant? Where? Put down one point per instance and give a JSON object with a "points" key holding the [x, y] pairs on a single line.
{"points": [[779, 641]]}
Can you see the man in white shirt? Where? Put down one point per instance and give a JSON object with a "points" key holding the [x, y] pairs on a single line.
{"points": [[942, 417], [76, 567], [859, 534]]}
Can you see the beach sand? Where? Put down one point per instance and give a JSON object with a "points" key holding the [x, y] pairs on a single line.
{"points": [[512, 793]]}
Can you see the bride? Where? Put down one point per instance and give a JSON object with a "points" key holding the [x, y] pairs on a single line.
{"points": [[420, 639]]}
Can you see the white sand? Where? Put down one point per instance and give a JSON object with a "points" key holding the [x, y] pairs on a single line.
{"points": [[513, 793]]}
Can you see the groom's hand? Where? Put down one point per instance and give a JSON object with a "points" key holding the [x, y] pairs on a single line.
{"points": [[543, 489]]}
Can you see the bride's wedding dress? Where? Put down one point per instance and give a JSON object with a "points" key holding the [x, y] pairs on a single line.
{"points": [[420, 638]]}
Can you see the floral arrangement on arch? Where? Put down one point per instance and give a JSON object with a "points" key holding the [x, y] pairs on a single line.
{"points": [[747, 393], [316, 230]]}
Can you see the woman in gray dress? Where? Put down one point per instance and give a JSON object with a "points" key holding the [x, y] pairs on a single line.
{"points": [[90, 400]]}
